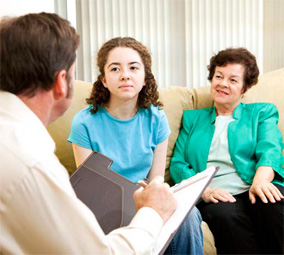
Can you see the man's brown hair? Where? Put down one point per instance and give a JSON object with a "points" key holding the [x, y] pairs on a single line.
{"points": [[34, 48]]}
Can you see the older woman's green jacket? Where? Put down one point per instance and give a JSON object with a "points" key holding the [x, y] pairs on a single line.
{"points": [[253, 138]]}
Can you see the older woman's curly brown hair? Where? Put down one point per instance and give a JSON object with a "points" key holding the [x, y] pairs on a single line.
{"points": [[236, 56], [149, 93]]}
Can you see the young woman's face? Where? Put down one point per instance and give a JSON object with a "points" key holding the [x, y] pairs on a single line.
{"points": [[124, 74], [227, 85]]}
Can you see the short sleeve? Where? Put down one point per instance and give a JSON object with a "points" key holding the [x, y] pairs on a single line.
{"points": [[79, 132], [163, 128]]}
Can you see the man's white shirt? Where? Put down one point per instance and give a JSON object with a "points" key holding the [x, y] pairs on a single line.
{"points": [[39, 211]]}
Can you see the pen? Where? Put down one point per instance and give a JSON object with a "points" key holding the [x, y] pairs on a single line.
{"points": [[143, 183]]}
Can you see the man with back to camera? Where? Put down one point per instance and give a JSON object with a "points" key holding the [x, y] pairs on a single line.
{"points": [[40, 213]]}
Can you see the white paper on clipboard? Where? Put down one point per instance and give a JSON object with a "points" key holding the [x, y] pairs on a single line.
{"points": [[187, 194]]}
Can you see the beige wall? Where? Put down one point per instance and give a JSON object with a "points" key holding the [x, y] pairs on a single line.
{"points": [[273, 35]]}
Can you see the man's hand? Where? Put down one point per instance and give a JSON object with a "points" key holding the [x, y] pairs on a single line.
{"points": [[216, 195], [158, 196]]}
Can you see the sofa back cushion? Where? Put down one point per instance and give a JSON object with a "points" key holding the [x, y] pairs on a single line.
{"points": [[176, 100]]}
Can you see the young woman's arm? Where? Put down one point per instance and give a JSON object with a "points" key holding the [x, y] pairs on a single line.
{"points": [[159, 160], [80, 154]]}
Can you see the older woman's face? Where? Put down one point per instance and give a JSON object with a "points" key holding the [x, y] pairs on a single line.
{"points": [[227, 85]]}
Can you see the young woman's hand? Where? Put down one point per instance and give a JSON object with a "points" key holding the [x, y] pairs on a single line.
{"points": [[216, 195], [262, 186]]}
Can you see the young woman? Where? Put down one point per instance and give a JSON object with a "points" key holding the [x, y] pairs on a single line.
{"points": [[125, 122]]}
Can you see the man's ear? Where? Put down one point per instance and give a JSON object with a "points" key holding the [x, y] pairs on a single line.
{"points": [[60, 85]]}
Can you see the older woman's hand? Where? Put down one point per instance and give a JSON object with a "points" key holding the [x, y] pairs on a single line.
{"points": [[216, 195], [262, 186]]}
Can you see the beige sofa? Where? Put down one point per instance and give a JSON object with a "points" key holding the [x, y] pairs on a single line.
{"points": [[270, 88]]}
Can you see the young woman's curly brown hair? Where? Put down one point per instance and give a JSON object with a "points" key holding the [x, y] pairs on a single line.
{"points": [[149, 93]]}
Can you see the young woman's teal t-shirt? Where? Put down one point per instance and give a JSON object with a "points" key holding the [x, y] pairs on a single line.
{"points": [[129, 143]]}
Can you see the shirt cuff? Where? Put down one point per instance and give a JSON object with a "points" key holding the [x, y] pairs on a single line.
{"points": [[148, 219]]}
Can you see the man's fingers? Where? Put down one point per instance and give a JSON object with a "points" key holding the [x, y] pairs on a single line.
{"points": [[137, 192], [156, 195]]}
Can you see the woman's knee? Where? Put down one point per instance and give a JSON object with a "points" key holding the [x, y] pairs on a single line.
{"points": [[221, 212]]}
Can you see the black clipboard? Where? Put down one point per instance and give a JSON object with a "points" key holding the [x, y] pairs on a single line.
{"points": [[110, 195]]}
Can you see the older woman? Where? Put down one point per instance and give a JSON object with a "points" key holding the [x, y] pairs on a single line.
{"points": [[243, 204]]}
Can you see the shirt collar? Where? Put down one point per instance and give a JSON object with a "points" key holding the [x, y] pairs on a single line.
{"points": [[15, 110], [236, 114]]}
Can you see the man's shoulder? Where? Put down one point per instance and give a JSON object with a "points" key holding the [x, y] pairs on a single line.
{"points": [[12, 164], [27, 139], [27, 153]]}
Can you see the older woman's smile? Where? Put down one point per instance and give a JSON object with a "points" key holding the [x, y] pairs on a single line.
{"points": [[222, 92]]}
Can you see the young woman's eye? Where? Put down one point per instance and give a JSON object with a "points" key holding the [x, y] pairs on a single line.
{"points": [[114, 69], [134, 68]]}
